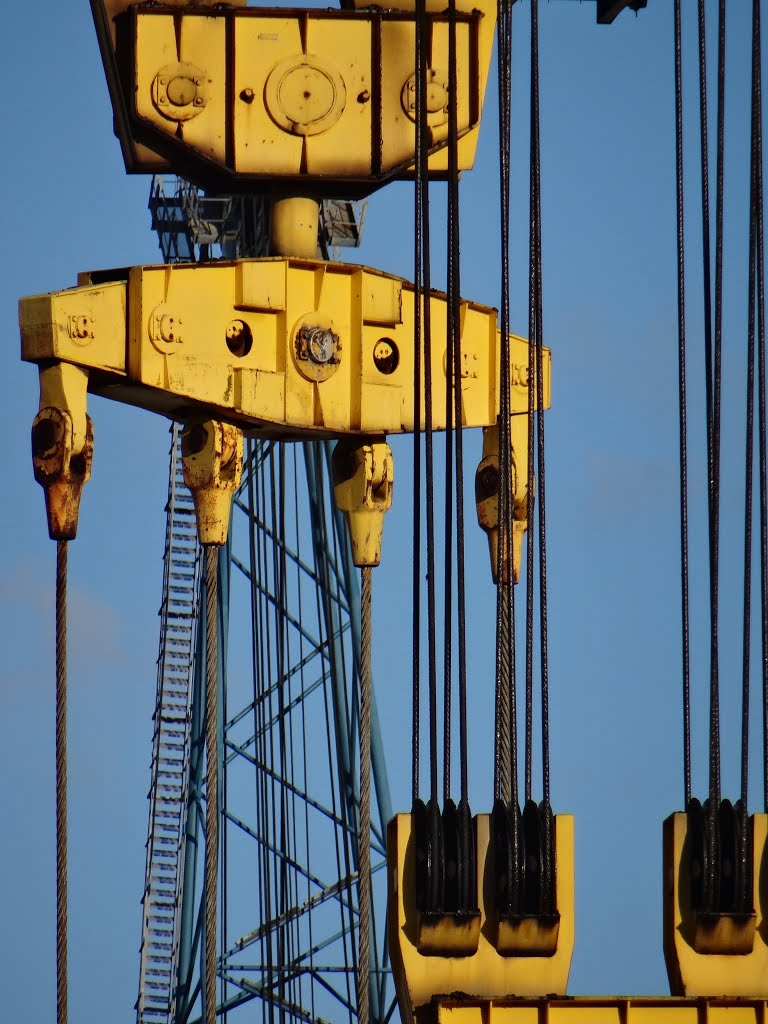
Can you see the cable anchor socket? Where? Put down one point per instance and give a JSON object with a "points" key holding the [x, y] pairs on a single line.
{"points": [[363, 477], [487, 488], [62, 446], [212, 458]]}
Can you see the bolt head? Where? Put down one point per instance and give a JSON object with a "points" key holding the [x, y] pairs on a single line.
{"points": [[320, 345]]}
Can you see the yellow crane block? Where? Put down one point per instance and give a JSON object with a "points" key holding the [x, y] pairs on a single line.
{"points": [[724, 956], [321, 98], [288, 348], [421, 979]]}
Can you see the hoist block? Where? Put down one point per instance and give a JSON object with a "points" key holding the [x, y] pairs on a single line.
{"points": [[706, 954], [423, 978], [234, 97], [288, 348]]}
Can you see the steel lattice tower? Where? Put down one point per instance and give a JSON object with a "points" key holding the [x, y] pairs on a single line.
{"points": [[288, 747]]}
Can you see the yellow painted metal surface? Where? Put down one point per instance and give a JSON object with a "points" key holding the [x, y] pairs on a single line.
{"points": [[693, 971], [363, 478], [487, 491], [291, 348], [423, 979], [62, 446], [591, 1010], [212, 459], [319, 96]]}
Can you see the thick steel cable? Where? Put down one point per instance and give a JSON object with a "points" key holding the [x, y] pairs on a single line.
{"points": [[364, 838], [448, 624], [548, 867], [210, 893], [763, 473], [454, 299], [61, 783], [531, 427], [682, 408], [750, 429], [707, 295], [714, 721], [417, 362], [505, 746], [422, 155]]}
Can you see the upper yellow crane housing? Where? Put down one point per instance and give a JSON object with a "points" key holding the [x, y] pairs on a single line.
{"points": [[320, 100]]}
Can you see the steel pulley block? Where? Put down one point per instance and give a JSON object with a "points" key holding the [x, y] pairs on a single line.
{"points": [[526, 920], [285, 348], [236, 97], [715, 913], [445, 879], [423, 977]]}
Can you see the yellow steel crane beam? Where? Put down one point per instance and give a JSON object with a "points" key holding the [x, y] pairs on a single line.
{"points": [[312, 100], [287, 348]]}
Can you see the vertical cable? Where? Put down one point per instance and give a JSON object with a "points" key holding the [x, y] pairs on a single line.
{"points": [[61, 783], [530, 439], [750, 429], [417, 346], [454, 314], [211, 781], [548, 868], [714, 722], [758, 87], [683, 414], [364, 839], [505, 748], [422, 153]]}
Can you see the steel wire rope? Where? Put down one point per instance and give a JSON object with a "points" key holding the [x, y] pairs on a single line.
{"points": [[364, 848], [303, 688], [257, 648], [211, 781], [548, 867], [346, 909], [682, 403], [423, 290], [505, 738], [749, 434], [224, 855], [714, 737], [530, 551], [417, 346], [711, 870], [454, 416], [267, 751], [762, 460], [293, 880], [350, 981], [62, 994], [280, 815]]}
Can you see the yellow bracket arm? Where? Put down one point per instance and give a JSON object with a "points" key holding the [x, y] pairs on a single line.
{"points": [[283, 348], [62, 446]]}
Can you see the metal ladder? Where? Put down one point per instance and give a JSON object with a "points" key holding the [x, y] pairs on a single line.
{"points": [[170, 753]]}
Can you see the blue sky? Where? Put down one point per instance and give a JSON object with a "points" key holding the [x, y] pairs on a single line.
{"points": [[610, 319]]}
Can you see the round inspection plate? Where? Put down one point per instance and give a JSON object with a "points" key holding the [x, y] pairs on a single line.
{"points": [[305, 95], [436, 97], [180, 91]]}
